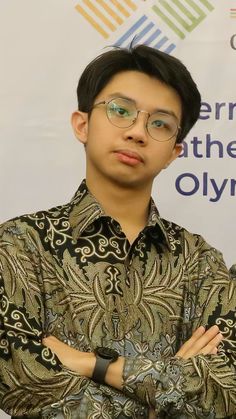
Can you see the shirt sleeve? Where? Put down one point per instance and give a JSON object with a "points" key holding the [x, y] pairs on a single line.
{"points": [[203, 386], [31, 376]]}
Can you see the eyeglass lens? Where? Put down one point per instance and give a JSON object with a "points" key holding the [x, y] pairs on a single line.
{"points": [[123, 113]]}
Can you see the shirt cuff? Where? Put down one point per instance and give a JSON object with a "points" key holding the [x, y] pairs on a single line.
{"points": [[157, 384]]}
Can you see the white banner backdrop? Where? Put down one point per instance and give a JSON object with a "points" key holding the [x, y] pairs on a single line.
{"points": [[44, 47]]}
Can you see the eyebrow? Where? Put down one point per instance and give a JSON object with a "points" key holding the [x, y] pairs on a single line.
{"points": [[122, 96]]}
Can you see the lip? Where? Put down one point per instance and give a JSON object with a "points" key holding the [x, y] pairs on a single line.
{"points": [[131, 154]]}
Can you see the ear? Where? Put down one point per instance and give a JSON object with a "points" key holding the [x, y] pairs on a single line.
{"points": [[79, 122], [178, 147]]}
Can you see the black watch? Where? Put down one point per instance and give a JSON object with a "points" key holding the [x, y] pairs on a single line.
{"points": [[104, 357]]}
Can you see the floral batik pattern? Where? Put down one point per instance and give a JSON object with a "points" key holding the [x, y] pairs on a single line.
{"points": [[71, 272]]}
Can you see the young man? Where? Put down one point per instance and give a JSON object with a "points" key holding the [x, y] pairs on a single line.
{"points": [[108, 310]]}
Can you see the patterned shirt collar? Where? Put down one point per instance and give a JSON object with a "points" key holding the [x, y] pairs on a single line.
{"points": [[85, 209], [154, 220]]}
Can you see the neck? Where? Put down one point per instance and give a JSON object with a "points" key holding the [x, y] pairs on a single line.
{"points": [[126, 204]]}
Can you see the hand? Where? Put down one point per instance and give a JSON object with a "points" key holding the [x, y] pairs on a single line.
{"points": [[81, 362], [201, 342]]}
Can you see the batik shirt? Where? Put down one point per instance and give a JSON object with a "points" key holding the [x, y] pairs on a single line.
{"points": [[71, 272]]}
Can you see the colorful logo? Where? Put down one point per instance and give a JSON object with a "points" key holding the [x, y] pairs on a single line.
{"points": [[158, 23]]}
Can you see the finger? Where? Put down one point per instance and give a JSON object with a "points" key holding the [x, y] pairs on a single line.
{"points": [[207, 338], [199, 340], [197, 334], [190, 342], [46, 341], [212, 345], [210, 348], [53, 343], [50, 339]]}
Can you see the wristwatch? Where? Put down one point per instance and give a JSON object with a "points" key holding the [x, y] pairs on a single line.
{"points": [[104, 357]]}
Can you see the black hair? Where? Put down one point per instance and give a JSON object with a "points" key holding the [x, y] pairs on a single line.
{"points": [[150, 61]]}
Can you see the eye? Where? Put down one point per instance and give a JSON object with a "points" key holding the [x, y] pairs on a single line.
{"points": [[162, 122], [118, 110], [158, 123]]}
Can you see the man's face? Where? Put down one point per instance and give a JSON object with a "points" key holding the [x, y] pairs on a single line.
{"points": [[128, 156]]}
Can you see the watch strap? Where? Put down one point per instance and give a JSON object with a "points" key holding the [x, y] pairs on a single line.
{"points": [[100, 369]]}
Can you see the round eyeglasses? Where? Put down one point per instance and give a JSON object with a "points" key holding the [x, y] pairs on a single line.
{"points": [[123, 113]]}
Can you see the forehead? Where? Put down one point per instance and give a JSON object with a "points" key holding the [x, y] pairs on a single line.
{"points": [[148, 92]]}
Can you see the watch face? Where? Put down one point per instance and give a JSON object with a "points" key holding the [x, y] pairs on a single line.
{"points": [[106, 353]]}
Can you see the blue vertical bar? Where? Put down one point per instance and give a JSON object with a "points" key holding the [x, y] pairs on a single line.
{"points": [[131, 31], [161, 42], [152, 37], [143, 32], [170, 48]]}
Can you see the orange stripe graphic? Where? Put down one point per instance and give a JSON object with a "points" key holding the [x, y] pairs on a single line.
{"points": [[120, 8], [110, 12], [100, 15], [92, 21], [131, 4]]}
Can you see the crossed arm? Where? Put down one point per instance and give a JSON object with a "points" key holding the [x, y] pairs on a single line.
{"points": [[201, 342]]}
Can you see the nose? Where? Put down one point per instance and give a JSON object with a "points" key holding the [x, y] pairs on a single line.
{"points": [[138, 131]]}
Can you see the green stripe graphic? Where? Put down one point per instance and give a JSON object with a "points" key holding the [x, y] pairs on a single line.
{"points": [[176, 20]]}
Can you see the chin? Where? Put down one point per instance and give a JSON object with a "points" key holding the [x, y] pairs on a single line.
{"points": [[130, 182]]}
